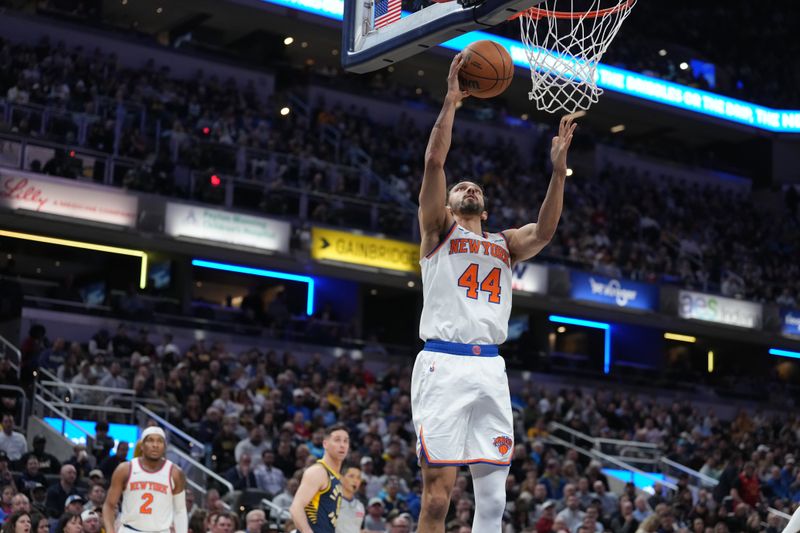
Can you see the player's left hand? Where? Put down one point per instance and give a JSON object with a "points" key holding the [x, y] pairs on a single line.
{"points": [[561, 142]]}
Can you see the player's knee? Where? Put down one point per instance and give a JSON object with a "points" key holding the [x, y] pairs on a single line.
{"points": [[436, 505], [491, 504]]}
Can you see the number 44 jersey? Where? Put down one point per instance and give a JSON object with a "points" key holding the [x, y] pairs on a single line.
{"points": [[466, 286], [147, 498]]}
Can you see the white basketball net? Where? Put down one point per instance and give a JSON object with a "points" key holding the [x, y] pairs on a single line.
{"points": [[564, 52]]}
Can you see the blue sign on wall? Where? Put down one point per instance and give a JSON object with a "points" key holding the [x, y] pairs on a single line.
{"points": [[119, 432], [611, 291], [790, 322]]}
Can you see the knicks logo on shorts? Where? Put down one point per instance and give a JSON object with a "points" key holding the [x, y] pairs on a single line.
{"points": [[503, 444]]}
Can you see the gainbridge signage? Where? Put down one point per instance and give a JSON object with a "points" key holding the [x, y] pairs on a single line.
{"points": [[346, 247]]}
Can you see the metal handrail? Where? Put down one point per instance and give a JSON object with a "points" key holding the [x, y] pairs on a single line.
{"points": [[64, 416], [594, 454], [99, 388], [621, 442], [169, 426], [16, 366], [195, 464], [279, 510], [694, 473]]}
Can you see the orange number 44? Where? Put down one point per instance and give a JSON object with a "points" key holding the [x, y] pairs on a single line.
{"points": [[147, 498], [490, 284]]}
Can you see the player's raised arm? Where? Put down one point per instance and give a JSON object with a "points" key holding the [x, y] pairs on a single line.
{"points": [[433, 216], [111, 505], [527, 241]]}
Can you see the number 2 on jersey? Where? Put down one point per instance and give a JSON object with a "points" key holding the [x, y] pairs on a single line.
{"points": [[147, 497], [490, 284]]}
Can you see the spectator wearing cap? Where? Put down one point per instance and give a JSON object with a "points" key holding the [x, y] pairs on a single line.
{"points": [[269, 478], [57, 494], [39, 498], [298, 405], [48, 464], [374, 520], [31, 475], [74, 504], [101, 445], [96, 477], [548, 517], [91, 521], [372, 484], [254, 446], [241, 476], [12, 442], [285, 498], [97, 496]]}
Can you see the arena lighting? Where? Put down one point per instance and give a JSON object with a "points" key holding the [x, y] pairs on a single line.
{"points": [[215, 181], [710, 361], [288, 41], [615, 79], [596, 325], [569, 172], [86, 246], [285, 111], [619, 128], [684, 65], [784, 353], [264, 274], [679, 337]]}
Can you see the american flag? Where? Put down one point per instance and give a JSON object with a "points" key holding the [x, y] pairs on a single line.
{"points": [[386, 12]]}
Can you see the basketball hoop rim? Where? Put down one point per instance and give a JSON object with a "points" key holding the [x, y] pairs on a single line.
{"points": [[538, 13]]}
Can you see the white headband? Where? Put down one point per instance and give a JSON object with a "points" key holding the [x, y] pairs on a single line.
{"points": [[153, 430]]}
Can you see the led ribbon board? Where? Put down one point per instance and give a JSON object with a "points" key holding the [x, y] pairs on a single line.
{"points": [[86, 246], [615, 79], [591, 324], [264, 274]]}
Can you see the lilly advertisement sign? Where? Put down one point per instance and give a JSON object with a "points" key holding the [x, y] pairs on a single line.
{"points": [[612, 291], [719, 309], [790, 322]]}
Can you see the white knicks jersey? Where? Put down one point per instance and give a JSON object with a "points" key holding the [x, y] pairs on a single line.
{"points": [[147, 498], [466, 288]]}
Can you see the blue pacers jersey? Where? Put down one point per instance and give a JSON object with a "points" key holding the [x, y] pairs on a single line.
{"points": [[323, 509]]}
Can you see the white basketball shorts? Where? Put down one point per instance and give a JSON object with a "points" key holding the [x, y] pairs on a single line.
{"points": [[461, 405]]}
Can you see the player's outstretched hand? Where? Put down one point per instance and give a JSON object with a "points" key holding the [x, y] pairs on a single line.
{"points": [[561, 142], [454, 91]]}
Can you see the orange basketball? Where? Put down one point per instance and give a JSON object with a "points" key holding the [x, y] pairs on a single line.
{"points": [[487, 69]]}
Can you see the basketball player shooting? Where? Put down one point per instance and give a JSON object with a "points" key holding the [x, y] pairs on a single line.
{"points": [[152, 490], [461, 404]]}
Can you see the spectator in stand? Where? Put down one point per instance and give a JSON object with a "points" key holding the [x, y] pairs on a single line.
{"points": [[101, 445], [242, 476], [269, 478], [19, 522], [111, 462], [97, 495], [253, 446], [81, 460], [254, 521], [374, 520], [285, 498], [91, 521], [31, 475], [57, 493], [69, 523], [12, 442]]}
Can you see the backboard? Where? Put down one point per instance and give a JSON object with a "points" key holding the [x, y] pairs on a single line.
{"points": [[378, 33]]}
